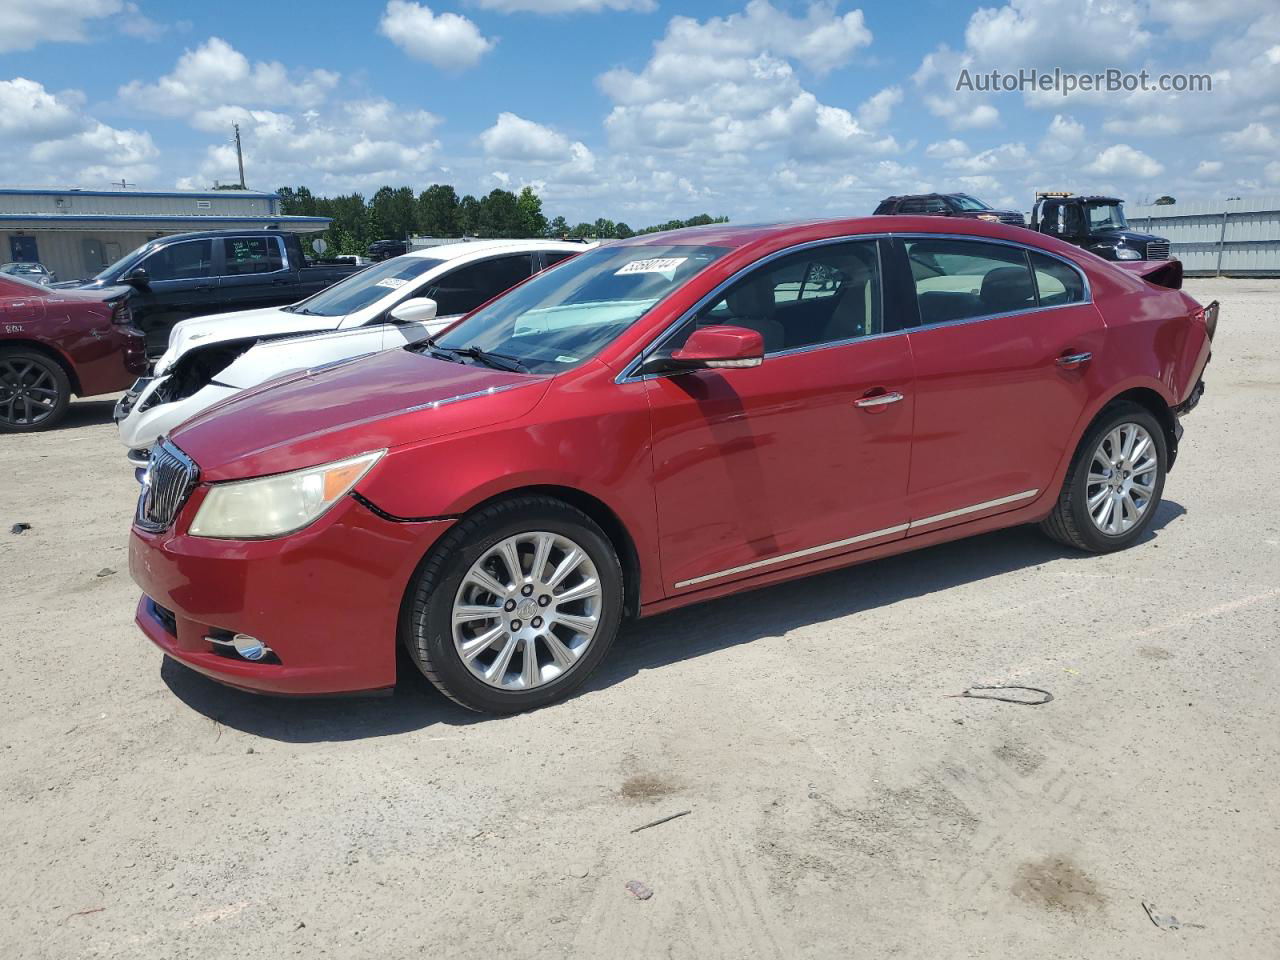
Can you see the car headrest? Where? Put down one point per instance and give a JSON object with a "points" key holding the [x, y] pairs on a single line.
{"points": [[1008, 288], [750, 299]]}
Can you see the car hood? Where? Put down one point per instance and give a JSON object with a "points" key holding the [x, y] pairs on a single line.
{"points": [[241, 325], [1127, 236], [316, 416]]}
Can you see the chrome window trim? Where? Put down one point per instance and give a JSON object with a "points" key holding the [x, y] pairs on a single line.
{"points": [[280, 245], [860, 538], [628, 374]]}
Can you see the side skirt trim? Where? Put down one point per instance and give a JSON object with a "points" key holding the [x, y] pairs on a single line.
{"points": [[860, 538]]}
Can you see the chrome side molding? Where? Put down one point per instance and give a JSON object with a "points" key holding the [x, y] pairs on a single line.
{"points": [[860, 538]]}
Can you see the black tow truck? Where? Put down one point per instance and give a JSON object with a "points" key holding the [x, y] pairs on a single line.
{"points": [[1095, 223]]}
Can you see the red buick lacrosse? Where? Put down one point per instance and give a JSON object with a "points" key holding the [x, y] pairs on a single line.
{"points": [[656, 422]]}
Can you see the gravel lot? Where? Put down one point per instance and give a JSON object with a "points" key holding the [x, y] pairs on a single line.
{"points": [[842, 804]]}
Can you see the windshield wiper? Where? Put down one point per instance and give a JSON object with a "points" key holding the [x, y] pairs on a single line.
{"points": [[498, 361]]}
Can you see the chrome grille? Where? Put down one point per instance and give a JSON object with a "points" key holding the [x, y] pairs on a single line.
{"points": [[169, 479], [1014, 219], [1158, 250]]}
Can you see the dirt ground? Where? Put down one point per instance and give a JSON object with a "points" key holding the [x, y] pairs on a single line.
{"points": [[842, 803]]}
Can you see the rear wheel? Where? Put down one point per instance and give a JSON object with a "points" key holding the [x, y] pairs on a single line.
{"points": [[1114, 484], [34, 391], [516, 606]]}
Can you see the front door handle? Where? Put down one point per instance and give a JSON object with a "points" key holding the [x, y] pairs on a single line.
{"points": [[1074, 361], [878, 400]]}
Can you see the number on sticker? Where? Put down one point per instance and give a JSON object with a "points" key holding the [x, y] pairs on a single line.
{"points": [[656, 265]]}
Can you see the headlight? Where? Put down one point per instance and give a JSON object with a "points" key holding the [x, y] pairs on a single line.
{"points": [[989, 217], [273, 506], [1124, 253]]}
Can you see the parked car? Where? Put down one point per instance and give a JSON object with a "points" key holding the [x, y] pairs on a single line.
{"points": [[194, 274], [27, 270], [1097, 224], [949, 205], [385, 249], [55, 344], [390, 304], [659, 421]]}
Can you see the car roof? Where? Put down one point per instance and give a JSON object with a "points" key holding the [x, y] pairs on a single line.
{"points": [[734, 236], [463, 248]]}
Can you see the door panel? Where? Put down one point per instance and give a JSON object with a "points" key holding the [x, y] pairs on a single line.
{"points": [[994, 409], [754, 464]]}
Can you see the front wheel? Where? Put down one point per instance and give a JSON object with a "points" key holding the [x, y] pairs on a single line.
{"points": [[516, 606], [1114, 484]]}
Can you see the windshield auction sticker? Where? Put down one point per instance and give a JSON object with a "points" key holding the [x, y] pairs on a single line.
{"points": [[657, 265], [394, 283]]}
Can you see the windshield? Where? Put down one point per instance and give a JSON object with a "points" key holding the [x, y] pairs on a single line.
{"points": [[563, 316], [966, 202], [1106, 216], [368, 286]]}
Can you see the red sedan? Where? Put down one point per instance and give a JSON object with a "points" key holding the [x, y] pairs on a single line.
{"points": [[656, 422], [56, 343]]}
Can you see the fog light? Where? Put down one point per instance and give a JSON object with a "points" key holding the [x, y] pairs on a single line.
{"points": [[251, 648]]}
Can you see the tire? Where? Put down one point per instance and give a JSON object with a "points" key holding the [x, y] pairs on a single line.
{"points": [[34, 391], [1072, 521], [474, 557]]}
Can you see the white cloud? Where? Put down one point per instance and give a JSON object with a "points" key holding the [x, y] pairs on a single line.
{"points": [[567, 6], [447, 40], [516, 138], [727, 87], [24, 25], [216, 72], [1256, 138], [876, 109], [945, 149], [1007, 156], [1126, 161], [49, 139], [30, 112], [1072, 34], [1063, 139], [1208, 168]]}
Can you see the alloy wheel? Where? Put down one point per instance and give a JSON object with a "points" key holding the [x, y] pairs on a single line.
{"points": [[1122, 478], [28, 391], [527, 610]]}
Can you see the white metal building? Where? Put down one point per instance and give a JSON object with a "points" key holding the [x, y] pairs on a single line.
{"points": [[75, 233]]}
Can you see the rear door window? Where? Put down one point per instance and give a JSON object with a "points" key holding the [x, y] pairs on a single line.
{"points": [[1056, 283], [960, 279], [911, 206], [464, 289], [245, 255]]}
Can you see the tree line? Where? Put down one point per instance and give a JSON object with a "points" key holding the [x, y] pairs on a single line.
{"points": [[396, 213]]}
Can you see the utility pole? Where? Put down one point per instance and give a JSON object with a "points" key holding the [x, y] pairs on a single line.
{"points": [[239, 156]]}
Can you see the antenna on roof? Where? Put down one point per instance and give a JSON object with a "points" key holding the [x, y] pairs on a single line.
{"points": [[123, 184]]}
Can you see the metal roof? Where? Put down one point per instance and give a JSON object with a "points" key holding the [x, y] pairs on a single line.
{"points": [[163, 217], [49, 191]]}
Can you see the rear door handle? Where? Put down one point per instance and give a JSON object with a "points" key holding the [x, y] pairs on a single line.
{"points": [[878, 400], [1073, 361]]}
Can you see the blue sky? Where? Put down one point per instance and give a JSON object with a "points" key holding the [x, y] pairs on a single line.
{"points": [[640, 110]]}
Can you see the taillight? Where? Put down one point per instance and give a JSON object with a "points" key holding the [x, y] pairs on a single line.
{"points": [[1210, 317], [120, 312]]}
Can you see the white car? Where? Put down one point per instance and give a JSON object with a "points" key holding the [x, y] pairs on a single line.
{"points": [[389, 304]]}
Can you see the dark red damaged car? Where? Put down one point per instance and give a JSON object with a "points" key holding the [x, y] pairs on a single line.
{"points": [[58, 343], [653, 423]]}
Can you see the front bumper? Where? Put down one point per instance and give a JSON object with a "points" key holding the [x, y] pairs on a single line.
{"points": [[325, 600]]}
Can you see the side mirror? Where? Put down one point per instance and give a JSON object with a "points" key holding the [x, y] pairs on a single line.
{"points": [[414, 310], [137, 277], [712, 348]]}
